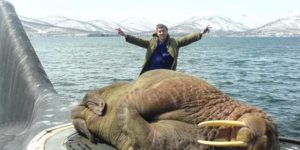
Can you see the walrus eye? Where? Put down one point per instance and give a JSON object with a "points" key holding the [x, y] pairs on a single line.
{"points": [[102, 109], [102, 104], [97, 108]]}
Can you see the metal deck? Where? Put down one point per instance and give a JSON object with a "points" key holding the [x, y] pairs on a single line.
{"points": [[65, 137]]}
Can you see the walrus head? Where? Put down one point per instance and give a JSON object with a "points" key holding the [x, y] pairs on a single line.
{"points": [[95, 103]]}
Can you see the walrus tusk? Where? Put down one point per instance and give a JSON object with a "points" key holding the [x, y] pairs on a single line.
{"points": [[222, 123], [224, 144]]}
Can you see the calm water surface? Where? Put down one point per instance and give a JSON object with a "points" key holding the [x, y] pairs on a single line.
{"points": [[263, 72]]}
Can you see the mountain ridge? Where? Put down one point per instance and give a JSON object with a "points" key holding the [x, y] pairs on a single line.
{"points": [[221, 26]]}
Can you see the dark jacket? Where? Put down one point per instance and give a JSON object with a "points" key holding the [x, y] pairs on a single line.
{"points": [[173, 45]]}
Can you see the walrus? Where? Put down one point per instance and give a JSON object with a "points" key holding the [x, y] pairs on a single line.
{"points": [[168, 110]]}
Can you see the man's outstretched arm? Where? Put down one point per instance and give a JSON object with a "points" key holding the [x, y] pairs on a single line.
{"points": [[193, 37], [133, 40]]}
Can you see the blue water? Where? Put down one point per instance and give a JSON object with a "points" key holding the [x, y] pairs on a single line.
{"points": [[264, 72]]}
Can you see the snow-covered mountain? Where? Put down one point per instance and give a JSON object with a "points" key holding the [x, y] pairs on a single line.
{"points": [[61, 26], [283, 27], [35, 27], [73, 24], [105, 24], [26, 19], [221, 26], [137, 25]]}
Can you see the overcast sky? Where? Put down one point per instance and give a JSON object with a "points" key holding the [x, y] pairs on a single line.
{"points": [[251, 11]]}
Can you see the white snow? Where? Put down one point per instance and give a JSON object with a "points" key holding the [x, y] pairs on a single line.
{"points": [[59, 25]]}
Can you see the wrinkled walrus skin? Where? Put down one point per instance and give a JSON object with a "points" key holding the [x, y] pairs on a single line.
{"points": [[161, 111]]}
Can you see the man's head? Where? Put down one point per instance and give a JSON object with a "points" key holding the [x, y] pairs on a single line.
{"points": [[162, 31]]}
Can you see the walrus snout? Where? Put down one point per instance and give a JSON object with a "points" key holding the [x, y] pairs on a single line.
{"points": [[255, 133]]}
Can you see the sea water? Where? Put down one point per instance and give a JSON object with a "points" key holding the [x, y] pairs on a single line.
{"points": [[264, 72]]}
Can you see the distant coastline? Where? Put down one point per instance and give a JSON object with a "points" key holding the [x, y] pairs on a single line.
{"points": [[221, 27]]}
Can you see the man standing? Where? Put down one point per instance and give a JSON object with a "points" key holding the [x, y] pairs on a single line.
{"points": [[162, 51]]}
